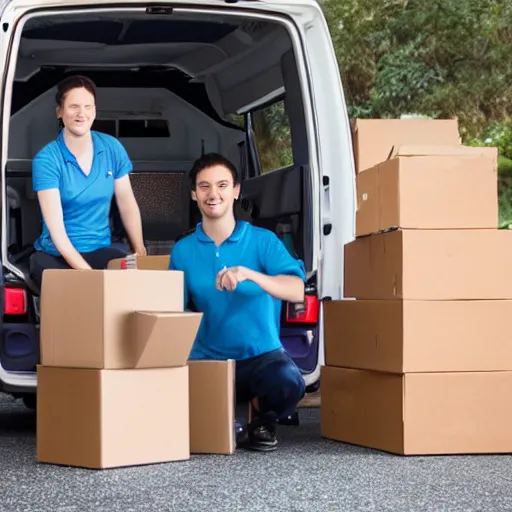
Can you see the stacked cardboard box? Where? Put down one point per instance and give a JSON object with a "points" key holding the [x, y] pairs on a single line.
{"points": [[212, 397], [421, 361], [114, 385]]}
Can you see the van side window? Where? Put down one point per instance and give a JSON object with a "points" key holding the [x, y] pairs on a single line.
{"points": [[237, 120], [143, 128], [136, 128], [273, 137]]}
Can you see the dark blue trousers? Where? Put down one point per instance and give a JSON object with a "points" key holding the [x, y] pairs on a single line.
{"points": [[274, 379], [40, 261]]}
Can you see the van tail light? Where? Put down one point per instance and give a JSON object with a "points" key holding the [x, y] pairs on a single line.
{"points": [[303, 312], [15, 301]]}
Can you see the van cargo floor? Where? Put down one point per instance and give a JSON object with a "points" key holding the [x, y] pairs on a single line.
{"points": [[306, 474]]}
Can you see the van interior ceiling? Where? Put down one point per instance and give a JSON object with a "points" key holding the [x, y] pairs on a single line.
{"points": [[170, 87]]}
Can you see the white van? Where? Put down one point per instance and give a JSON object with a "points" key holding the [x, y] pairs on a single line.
{"points": [[256, 81]]}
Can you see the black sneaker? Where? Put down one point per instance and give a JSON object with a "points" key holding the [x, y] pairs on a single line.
{"points": [[263, 438], [241, 436]]}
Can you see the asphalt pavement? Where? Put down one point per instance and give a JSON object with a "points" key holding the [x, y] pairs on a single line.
{"points": [[307, 473]]}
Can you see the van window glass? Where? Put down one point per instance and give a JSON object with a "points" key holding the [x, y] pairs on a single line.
{"points": [[133, 128], [273, 137], [236, 120]]}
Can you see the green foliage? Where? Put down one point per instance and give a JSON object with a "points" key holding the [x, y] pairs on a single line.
{"points": [[500, 135], [273, 137], [497, 135], [443, 58]]}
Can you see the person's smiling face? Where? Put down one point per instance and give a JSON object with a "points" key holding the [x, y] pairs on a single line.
{"points": [[78, 111], [215, 191]]}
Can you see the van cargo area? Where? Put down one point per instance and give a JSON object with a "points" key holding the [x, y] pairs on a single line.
{"points": [[173, 84]]}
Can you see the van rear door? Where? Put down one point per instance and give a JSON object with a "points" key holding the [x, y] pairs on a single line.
{"points": [[323, 146], [316, 186]]}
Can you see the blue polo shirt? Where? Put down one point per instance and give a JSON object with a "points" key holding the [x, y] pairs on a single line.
{"points": [[243, 323], [86, 199]]}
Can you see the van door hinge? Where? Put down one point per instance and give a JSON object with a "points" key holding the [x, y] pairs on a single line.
{"points": [[327, 229]]}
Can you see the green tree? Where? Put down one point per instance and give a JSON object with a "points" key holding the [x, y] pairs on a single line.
{"points": [[442, 58]]}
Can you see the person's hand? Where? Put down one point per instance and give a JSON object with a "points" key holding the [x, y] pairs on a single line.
{"points": [[228, 278], [140, 251]]}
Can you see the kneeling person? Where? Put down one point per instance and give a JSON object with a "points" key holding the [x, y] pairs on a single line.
{"points": [[237, 275]]}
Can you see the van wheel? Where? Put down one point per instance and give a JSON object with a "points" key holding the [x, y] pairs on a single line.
{"points": [[30, 401]]}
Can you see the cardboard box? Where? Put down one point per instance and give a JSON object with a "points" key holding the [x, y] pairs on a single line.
{"points": [[140, 262], [413, 150], [163, 339], [423, 188], [374, 139], [112, 418], [418, 336], [429, 265], [419, 413], [87, 316], [212, 406]]}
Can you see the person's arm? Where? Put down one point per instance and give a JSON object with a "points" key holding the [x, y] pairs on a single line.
{"points": [[283, 287], [126, 202], [283, 278], [130, 213], [46, 180]]}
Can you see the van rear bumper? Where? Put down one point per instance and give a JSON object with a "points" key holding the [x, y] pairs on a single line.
{"points": [[17, 382]]}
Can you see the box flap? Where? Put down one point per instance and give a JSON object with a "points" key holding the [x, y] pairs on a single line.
{"points": [[405, 150], [164, 339]]}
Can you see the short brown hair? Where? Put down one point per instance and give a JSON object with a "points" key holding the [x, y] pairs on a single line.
{"points": [[74, 82], [210, 160]]}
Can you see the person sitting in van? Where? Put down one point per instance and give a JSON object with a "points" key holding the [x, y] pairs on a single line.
{"points": [[75, 178], [237, 274]]}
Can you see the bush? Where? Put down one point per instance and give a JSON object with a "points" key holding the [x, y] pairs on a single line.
{"points": [[443, 58]]}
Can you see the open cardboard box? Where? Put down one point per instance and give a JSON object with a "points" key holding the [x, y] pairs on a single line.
{"points": [[429, 187], [89, 319]]}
